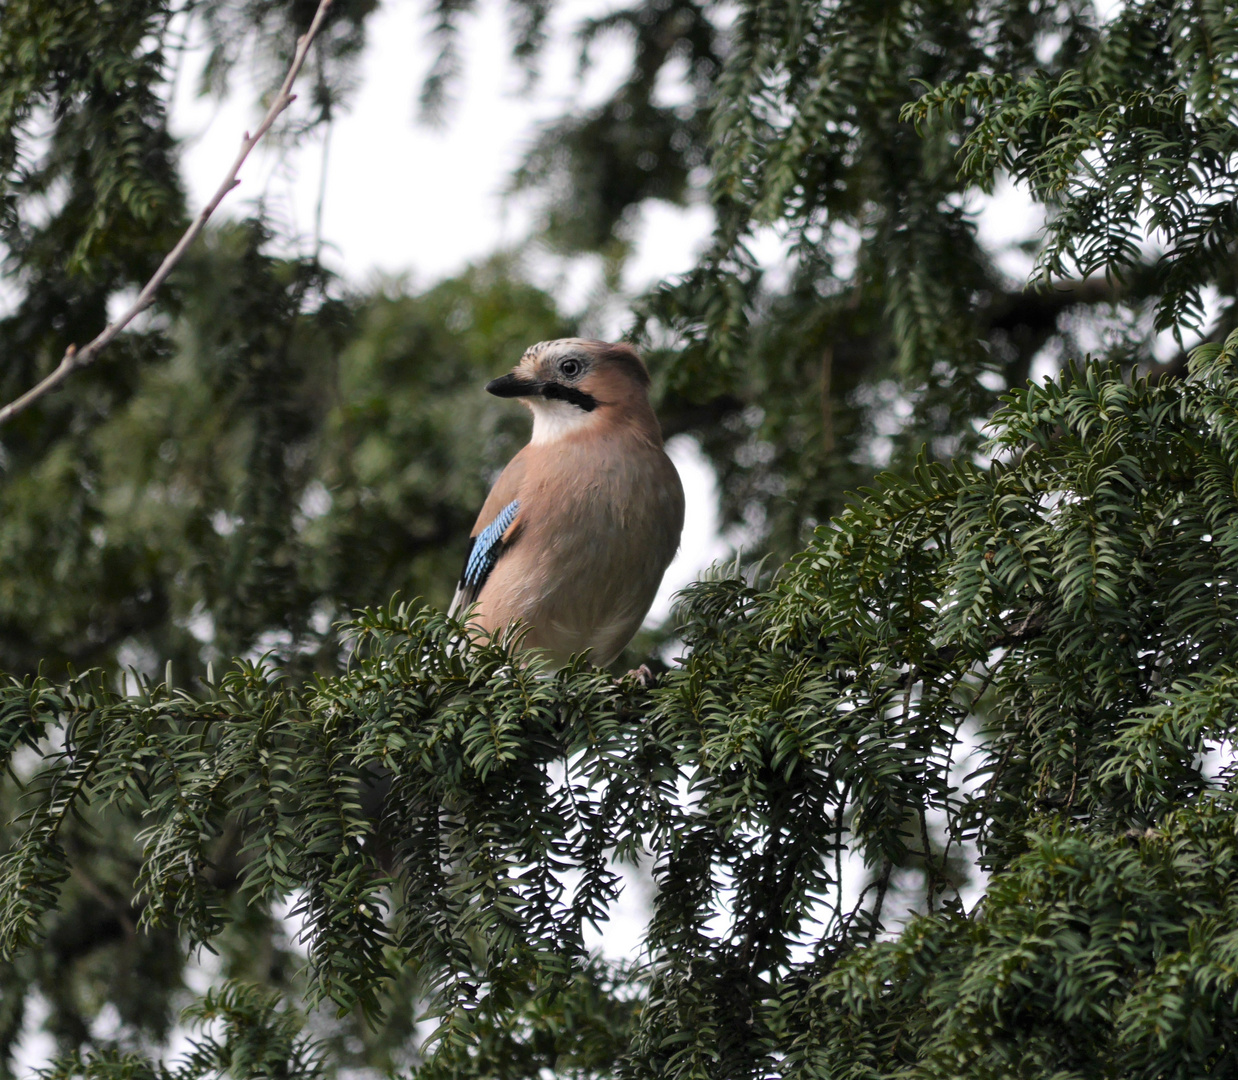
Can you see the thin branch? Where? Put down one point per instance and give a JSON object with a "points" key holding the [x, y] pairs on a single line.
{"points": [[322, 187], [838, 852], [74, 358], [883, 885], [951, 832], [827, 404]]}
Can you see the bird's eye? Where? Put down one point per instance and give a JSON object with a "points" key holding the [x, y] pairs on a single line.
{"points": [[570, 368]]}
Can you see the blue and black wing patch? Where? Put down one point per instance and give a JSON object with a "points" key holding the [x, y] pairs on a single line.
{"points": [[484, 551]]}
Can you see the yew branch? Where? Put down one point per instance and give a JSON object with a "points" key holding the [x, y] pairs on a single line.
{"points": [[75, 359]]}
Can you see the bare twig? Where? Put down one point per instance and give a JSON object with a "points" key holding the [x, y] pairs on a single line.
{"points": [[838, 853], [74, 358], [930, 872], [827, 404], [322, 186], [883, 885]]}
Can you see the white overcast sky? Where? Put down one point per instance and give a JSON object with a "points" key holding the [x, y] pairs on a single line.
{"points": [[403, 198]]}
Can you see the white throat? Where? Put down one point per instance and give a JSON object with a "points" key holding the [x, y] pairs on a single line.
{"points": [[554, 420]]}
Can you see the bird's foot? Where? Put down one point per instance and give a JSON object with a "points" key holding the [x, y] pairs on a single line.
{"points": [[644, 677]]}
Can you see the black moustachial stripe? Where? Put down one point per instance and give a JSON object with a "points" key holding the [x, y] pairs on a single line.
{"points": [[558, 392]]}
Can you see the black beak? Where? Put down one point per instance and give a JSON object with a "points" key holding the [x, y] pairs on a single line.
{"points": [[513, 386]]}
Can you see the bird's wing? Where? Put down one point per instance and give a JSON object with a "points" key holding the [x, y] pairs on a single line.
{"points": [[495, 531]]}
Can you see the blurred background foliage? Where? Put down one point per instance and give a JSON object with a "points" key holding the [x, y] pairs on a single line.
{"points": [[273, 448]]}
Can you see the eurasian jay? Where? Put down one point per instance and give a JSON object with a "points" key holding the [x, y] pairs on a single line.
{"points": [[577, 531]]}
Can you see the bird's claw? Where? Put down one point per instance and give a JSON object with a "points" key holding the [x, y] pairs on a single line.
{"points": [[643, 676]]}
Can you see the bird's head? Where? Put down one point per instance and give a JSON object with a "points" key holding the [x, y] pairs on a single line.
{"points": [[573, 384]]}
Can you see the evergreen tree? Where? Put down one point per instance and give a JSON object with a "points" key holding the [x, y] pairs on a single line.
{"points": [[946, 794]]}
